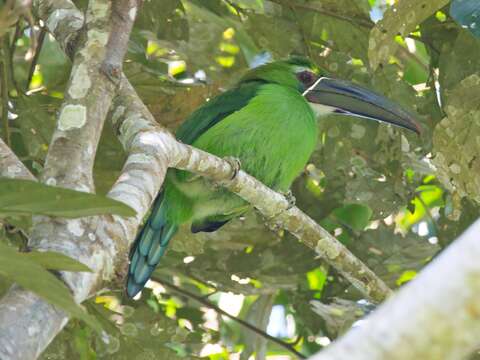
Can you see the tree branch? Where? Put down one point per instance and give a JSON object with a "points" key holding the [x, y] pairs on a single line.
{"points": [[123, 16], [63, 20], [69, 163], [38, 319], [102, 244], [4, 47], [435, 316], [148, 145], [424, 326], [354, 19], [11, 166], [218, 310], [140, 181]]}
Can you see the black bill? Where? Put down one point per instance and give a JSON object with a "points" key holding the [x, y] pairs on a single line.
{"points": [[350, 99]]}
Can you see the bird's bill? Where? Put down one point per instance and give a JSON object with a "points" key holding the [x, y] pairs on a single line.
{"points": [[348, 98]]}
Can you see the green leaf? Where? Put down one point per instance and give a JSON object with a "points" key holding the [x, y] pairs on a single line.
{"points": [[54, 65], [165, 19], [36, 122], [317, 279], [467, 14], [55, 261], [30, 275], [406, 276], [400, 19], [459, 59], [21, 197], [355, 216], [347, 33], [427, 197]]}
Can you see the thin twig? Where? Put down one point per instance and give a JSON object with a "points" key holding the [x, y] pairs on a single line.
{"points": [[13, 48], [363, 22], [4, 90], [272, 205], [237, 8], [249, 326], [122, 23], [200, 281], [16, 35], [38, 50], [305, 42], [296, 341]]}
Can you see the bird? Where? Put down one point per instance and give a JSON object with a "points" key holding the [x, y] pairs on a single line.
{"points": [[268, 123]]}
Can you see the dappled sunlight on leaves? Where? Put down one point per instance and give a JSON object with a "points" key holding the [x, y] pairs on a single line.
{"points": [[393, 198]]}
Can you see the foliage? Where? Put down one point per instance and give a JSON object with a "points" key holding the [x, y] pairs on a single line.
{"points": [[27, 272], [23, 197], [466, 13], [393, 198], [20, 198]]}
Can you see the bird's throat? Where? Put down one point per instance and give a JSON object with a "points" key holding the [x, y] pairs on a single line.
{"points": [[321, 110]]}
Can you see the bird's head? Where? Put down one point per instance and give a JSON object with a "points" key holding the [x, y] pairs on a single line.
{"points": [[333, 96]]}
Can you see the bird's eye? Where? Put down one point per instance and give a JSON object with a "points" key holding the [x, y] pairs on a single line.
{"points": [[306, 77]]}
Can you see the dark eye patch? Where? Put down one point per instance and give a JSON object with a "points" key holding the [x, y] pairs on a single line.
{"points": [[306, 77]]}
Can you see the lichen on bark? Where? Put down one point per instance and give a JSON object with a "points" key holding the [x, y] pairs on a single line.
{"points": [[456, 140]]}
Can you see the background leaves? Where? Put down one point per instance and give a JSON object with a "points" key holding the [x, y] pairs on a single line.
{"points": [[24, 197], [27, 271], [393, 198], [467, 13]]}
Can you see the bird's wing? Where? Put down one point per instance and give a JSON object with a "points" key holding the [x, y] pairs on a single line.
{"points": [[216, 110]]}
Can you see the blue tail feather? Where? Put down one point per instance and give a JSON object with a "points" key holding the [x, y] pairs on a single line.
{"points": [[148, 236], [158, 249], [149, 247]]}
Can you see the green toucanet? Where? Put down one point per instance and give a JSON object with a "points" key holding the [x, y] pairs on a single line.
{"points": [[268, 122]]}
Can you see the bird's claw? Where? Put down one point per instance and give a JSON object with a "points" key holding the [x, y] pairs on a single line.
{"points": [[112, 71], [235, 164], [290, 198]]}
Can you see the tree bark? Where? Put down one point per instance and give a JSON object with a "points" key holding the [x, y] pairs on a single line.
{"points": [[130, 116], [435, 316], [142, 137], [27, 323], [102, 242], [10, 166]]}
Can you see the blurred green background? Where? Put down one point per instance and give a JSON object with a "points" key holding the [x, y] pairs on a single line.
{"points": [[394, 198]]}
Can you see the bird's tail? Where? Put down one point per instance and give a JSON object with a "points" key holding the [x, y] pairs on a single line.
{"points": [[149, 247]]}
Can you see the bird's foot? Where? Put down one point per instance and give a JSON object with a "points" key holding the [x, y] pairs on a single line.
{"points": [[235, 164], [290, 198], [112, 71], [272, 222]]}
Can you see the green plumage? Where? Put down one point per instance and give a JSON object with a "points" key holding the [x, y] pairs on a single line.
{"points": [[266, 123]]}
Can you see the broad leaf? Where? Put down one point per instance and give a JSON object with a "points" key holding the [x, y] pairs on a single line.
{"points": [[165, 19], [30, 275], [400, 19], [20, 197], [355, 216], [55, 261]]}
